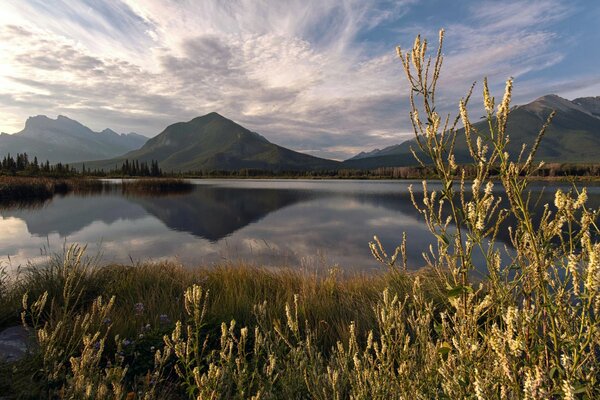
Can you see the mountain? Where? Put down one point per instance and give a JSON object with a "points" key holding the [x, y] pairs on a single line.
{"points": [[365, 154], [573, 135], [66, 140], [213, 142], [590, 104]]}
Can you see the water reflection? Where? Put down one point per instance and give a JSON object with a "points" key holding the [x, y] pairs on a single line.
{"points": [[275, 223], [214, 212]]}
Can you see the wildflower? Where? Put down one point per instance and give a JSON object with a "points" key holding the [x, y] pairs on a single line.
{"points": [[476, 185], [139, 308], [480, 224], [106, 321], [581, 199], [452, 162], [463, 114], [478, 386], [559, 199], [126, 342], [487, 99], [488, 188], [503, 107], [568, 390], [164, 319]]}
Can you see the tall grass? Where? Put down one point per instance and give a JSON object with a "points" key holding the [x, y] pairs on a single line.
{"points": [[16, 191], [156, 186], [147, 301], [26, 192], [528, 330]]}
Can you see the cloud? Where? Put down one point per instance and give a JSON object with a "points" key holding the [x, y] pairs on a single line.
{"points": [[316, 76]]}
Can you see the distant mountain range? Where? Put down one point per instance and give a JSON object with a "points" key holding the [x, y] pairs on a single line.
{"points": [[213, 142], [66, 140], [573, 136]]}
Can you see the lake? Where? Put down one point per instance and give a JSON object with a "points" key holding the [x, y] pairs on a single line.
{"points": [[292, 223]]}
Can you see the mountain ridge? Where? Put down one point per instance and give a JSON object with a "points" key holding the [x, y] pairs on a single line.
{"points": [[66, 140], [213, 142], [573, 135]]}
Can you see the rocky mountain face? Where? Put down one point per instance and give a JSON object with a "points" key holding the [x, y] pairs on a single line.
{"points": [[66, 140]]}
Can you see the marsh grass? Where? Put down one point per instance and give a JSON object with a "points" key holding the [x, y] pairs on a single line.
{"points": [[24, 192], [156, 186], [16, 192]]}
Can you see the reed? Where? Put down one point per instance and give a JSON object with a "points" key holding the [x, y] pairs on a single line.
{"points": [[156, 186], [15, 189]]}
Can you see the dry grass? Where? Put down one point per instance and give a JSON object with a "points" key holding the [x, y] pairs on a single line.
{"points": [[148, 300]]}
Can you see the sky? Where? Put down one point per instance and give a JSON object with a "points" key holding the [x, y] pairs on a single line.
{"points": [[321, 77]]}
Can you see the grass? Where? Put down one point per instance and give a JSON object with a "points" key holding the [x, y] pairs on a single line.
{"points": [[15, 190], [33, 191], [156, 186], [149, 299], [329, 301]]}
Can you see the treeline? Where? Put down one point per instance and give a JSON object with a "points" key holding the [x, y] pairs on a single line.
{"points": [[22, 165], [127, 168], [558, 170], [388, 172]]}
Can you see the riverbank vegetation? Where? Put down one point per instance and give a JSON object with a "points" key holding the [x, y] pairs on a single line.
{"points": [[29, 191], [21, 166], [530, 329]]}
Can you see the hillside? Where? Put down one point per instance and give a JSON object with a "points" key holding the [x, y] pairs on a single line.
{"points": [[573, 136], [66, 140], [213, 142]]}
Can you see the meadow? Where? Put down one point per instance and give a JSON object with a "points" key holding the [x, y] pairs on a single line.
{"points": [[528, 330]]}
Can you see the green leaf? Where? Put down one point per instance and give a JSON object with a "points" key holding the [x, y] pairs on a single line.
{"points": [[580, 389], [444, 349], [458, 290]]}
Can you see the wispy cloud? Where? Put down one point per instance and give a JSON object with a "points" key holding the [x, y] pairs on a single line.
{"points": [[317, 76]]}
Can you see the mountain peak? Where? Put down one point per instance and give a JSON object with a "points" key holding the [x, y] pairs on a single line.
{"points": [[37, 118], [66, 140], [591, 104], [211, 116], [109, 131], [213, 142], [553, 102], [44, 122]]}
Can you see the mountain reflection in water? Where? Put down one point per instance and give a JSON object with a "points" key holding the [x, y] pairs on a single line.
{"points": [[272, 222]]}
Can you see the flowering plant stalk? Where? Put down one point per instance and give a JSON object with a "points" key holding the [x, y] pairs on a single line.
{"points": [[531, 327]]}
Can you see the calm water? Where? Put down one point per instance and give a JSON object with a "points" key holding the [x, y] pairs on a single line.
{"points": [[269, 222]]}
